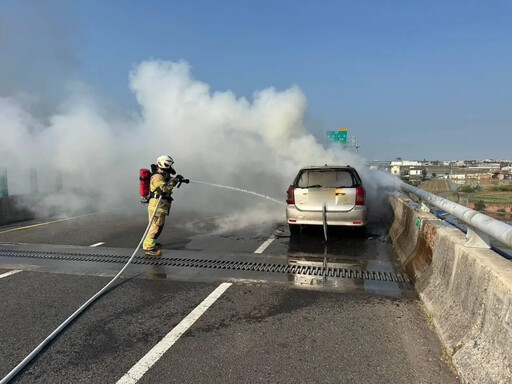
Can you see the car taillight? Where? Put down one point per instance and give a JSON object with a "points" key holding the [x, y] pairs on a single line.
{"points": [[360, 193], [290, 198]]}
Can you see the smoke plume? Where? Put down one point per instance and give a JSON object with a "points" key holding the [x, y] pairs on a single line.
{"points": [[257, 144]]}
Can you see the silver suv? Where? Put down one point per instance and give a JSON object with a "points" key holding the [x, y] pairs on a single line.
{"points": [[337, 190]]}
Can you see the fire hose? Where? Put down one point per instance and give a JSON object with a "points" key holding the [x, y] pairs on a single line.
{"points": [[180, 179], [84, 306]]}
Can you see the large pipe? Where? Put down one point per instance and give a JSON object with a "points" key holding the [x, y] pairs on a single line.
{"points": [[494, 228]]}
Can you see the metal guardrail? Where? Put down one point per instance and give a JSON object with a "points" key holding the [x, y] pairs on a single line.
{"points": [[480, 227]]}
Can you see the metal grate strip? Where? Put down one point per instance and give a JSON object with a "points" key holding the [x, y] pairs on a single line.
{"points": [[214, 264]]}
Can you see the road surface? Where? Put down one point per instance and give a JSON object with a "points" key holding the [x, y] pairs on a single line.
{"points": [[266, 327]]}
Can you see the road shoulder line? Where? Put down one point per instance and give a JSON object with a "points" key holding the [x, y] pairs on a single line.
{"points": [[10, 273], [56, 221], [97, 244]]}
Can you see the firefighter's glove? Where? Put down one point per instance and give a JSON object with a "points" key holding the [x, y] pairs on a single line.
{"points": [[178, 180], [181, 179]]}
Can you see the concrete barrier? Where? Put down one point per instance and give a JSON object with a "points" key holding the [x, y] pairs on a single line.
{"points": [[467, 292]]}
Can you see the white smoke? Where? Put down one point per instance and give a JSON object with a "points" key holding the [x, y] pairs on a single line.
{"points": [[257, 144]]}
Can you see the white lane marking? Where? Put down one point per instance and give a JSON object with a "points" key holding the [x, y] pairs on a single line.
{"points": [[144, 364], [97, 244], [264, 246], [56, 221], [9, 273]]}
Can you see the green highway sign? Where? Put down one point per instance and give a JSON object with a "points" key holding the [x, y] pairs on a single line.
{"points": [[339, 136]]}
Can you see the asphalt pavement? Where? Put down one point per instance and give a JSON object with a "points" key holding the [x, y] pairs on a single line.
{"points": [[266, 327]]}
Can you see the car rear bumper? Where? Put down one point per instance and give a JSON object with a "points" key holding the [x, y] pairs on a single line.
{"points": [[355, 217]]}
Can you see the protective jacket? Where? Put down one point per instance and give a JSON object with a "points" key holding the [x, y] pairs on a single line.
{"points": [[161, 185]]}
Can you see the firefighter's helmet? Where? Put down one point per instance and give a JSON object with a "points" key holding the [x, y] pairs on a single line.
{"points": [[165, 162]]}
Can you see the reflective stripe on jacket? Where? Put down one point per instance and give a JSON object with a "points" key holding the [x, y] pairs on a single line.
{"points": [[158, 185]]}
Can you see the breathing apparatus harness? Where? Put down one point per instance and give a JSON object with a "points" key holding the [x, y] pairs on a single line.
{"points": [[145, 178]]}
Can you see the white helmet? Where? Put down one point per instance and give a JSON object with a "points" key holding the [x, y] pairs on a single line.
{"points": [[164, 162]]}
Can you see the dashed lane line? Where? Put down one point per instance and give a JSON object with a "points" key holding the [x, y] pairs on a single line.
{"points": [[149, 359], [265, 245], [97, 244], [144, 364], [9, 273]]}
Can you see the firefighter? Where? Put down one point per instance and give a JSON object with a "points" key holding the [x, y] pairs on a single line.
{"points": [[161, 184]]}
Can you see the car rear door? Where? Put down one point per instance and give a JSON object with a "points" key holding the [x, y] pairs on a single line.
{"points": [[336, 188]]}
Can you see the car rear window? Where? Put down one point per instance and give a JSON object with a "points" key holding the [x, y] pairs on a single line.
{"points": [[327, 179]]}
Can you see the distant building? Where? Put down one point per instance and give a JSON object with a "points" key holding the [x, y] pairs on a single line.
{"points": [[457, 176], [485, 165], [379, 164], [401, 167], [395, 169], [460, 171], [416, 173]]}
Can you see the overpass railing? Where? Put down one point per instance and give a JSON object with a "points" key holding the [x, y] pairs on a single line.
{"points": [[480, 227]]}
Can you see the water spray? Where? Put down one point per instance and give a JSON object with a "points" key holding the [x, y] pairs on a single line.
{"points": [[61, 327], [239, 190]]}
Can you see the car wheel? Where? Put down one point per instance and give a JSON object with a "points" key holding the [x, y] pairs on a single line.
{"points": [[294, 229]]}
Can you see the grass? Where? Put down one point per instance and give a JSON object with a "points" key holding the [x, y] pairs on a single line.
{"points": [[491, 197], [494, 193], [501, 188]]}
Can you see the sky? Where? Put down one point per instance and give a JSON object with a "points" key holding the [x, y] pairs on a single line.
{"points": [[410, 79]]}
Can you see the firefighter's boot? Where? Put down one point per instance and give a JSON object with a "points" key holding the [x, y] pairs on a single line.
{"points": [[156, 252]]}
